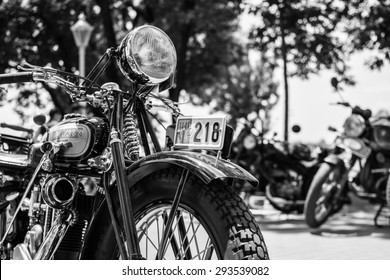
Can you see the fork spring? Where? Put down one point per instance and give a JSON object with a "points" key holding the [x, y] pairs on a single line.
{"points": [[131, 142]]}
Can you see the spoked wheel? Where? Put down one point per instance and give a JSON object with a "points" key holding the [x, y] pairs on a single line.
{"points": [[211, 222], [321, 202], [188, 238]]}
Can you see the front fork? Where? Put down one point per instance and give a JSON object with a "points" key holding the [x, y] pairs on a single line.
{"points": [[344, 180], [129, 225]]}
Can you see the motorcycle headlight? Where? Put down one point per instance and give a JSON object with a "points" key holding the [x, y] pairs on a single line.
{"points": [[354, 126], [249, 142], [147, 55]]}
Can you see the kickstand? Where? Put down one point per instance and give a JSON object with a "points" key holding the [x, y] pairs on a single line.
{"points": [[378, 213]]}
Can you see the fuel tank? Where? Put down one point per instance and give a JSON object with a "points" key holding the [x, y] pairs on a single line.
{"points": [[88, 137]]}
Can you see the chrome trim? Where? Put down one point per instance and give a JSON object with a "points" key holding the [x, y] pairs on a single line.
{"points": [[13, 160], [55, 236]]}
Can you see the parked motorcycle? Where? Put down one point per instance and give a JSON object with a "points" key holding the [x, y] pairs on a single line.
{"points": [[358, 164], [166, 204], [284, 171]]}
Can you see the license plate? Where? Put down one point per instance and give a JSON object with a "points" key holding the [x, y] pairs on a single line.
{"points": [[200, 133]]}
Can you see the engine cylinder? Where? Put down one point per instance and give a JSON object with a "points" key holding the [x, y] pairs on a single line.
{"points": [[59, 191]]}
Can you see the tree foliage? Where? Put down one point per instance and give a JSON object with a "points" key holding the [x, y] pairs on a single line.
{"points": [[369, 28], [302, 35], [310, 30]]}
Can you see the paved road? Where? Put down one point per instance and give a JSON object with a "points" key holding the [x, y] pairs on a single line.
{"points": [[349, 235]]}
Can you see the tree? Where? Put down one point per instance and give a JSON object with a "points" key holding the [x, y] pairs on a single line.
{"points": [[369, 28], [302, 34], [38, 31]]}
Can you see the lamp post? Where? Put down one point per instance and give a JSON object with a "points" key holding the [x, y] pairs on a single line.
{"points": [[81, 31]]}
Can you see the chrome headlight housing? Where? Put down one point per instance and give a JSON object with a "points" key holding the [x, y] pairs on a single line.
{"points": [[354, 126], [249, 142], [147, 55]]}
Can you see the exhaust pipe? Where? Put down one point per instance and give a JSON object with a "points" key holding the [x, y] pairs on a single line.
{"points": [[59, 191]]}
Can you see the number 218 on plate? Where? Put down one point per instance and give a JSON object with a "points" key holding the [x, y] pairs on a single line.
{"points": [[200, 132]]}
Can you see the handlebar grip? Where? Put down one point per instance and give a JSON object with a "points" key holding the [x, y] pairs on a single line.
{"points": [[13, 78], [16, 127]]}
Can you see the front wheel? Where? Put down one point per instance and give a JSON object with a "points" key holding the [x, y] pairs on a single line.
{"points": [[321, 202], [212, 222]]}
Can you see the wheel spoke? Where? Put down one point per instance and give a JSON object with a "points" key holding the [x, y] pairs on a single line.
{"points": [[183, 234], [171, 238], [171, 217], [184, 241], [196, 240], [193, 232], [151, 241], [208, 253]]}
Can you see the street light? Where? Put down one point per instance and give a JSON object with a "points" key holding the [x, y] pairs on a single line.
{"points": [[81, 31]]}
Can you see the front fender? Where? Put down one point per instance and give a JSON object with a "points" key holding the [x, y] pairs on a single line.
{"points": [[204, 166]]}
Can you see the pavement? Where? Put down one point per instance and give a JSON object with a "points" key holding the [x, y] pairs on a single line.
{"points": [[348, 235]]}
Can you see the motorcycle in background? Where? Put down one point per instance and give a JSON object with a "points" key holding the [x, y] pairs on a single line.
{"points": [[166, 204], [284, 172], [359, 163]]}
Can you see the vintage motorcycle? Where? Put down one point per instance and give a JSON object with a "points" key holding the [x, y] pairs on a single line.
{"points": [[150, 202], [284, 172], [359, 163]]}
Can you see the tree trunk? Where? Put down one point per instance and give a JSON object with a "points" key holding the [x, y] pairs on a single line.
{"points": [[109, 33], [286, 95], [285, 77], [184, 36]]}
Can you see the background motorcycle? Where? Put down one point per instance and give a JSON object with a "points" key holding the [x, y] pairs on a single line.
{"points": [[284, 173], [359, 163], [166, 204]]}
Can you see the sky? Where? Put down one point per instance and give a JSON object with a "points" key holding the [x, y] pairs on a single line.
{"points": [[311, 100]]}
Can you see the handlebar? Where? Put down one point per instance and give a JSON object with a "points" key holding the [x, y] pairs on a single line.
{"points": [[20, 77], [365, 113], [345, 104], [96, 95], [16, 127]]}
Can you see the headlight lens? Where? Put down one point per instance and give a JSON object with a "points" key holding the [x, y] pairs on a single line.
{"points": [[354, 126], [249, 142], [147, 55]]}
